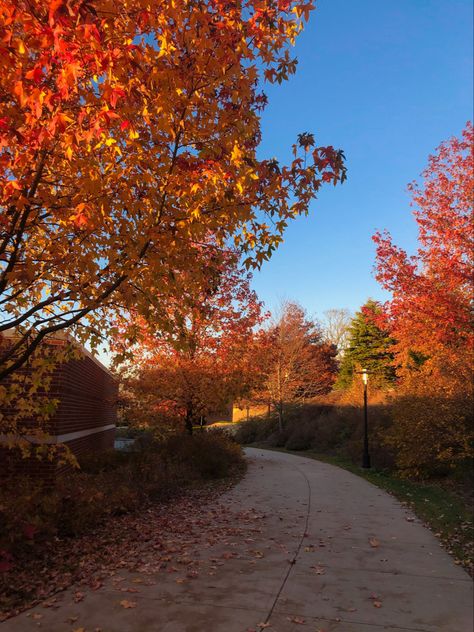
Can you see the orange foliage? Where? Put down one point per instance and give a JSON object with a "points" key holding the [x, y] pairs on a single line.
{"points": [[204, 363], [128, 137], [294, 361]]}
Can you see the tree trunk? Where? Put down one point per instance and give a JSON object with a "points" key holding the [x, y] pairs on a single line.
{"points": [[189, 420], [280, 416]]}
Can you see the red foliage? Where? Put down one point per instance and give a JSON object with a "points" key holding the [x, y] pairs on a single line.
{"points": [[431, 308], [430, 316], [295, 362]]}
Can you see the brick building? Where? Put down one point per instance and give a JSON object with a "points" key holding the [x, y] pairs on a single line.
{"points": [[85, 417]]}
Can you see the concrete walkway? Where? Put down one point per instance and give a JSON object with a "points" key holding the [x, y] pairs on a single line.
{"points": [[323, 551]]}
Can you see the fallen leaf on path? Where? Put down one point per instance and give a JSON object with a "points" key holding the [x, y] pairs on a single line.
{"points": [[193, 523], [375, 600], [128, 604], [72, 619], [95, 584], [263, 625], [297, 620], [319, 570], [50, 603], [374, 542], [80, 630]]}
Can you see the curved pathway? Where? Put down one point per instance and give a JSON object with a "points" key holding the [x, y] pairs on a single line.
{"points": [[311, 547]]}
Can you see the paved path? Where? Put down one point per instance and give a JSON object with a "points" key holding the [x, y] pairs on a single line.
{"points": [[324, 551]]}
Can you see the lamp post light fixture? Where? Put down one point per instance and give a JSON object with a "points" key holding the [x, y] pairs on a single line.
{"points": [[365, 455]]}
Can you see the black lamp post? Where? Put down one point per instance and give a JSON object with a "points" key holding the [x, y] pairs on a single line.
{"points": [[366, 455]]}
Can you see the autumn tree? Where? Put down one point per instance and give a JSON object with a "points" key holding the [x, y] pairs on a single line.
{"points": [[298, 364], [206, 363], [128, 137], [430, 312], [369, 346]]}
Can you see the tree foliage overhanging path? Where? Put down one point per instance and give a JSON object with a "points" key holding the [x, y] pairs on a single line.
{"points": [[128, 138]]}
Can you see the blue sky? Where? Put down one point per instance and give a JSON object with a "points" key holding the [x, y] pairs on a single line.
{"points": [[386, 81]]}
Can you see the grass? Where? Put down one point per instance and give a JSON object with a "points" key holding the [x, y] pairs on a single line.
{"points": [[447, 513]]}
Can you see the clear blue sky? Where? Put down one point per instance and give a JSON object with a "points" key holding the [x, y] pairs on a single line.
{"points": [[386, 81]]}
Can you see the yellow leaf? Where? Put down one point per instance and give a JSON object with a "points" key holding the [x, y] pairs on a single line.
{"points": [[236, 155], [69, 152]]}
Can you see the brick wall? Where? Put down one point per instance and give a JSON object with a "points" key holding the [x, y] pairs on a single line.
{"points": [[87, 394], [96, 442]]}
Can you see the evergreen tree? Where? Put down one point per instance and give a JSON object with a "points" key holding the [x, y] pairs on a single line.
{"points": [[369, 347]]}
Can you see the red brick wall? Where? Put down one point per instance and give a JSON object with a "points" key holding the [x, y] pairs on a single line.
{"points": [[13, 463], [96, 442], [87, 395]]}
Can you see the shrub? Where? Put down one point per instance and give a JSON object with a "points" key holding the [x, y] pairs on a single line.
{"points": [[277, 439], [255, 429], [432, 434], [330, 426], [301, 437], [211, 454], [108, 485]]}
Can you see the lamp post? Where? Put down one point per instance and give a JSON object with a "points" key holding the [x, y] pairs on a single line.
{"points": [[366, 455]]}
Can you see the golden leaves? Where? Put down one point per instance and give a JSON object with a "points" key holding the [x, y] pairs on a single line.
{"points": [[112, 104], [236, 155]]}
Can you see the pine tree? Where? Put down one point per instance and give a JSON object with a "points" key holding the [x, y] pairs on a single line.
{"points": [[369, 347]]}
